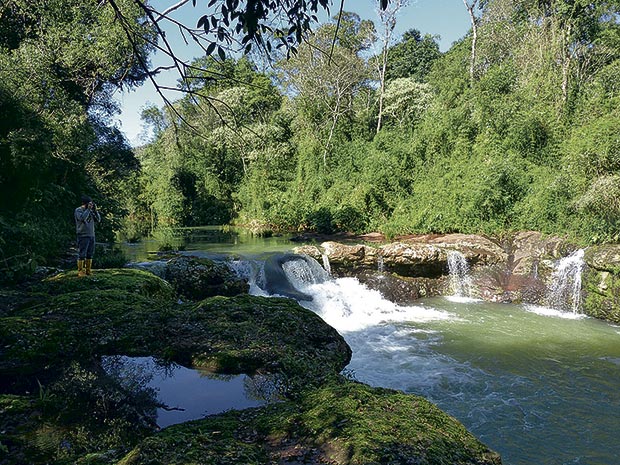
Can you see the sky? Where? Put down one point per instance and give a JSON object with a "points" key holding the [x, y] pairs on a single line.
{"points": [[447, 19]]}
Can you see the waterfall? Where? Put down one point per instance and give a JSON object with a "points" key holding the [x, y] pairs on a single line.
{"points": [[283, 274], [565, 290], [460, 280], [380, 265], [251, 270], [326, 264], [344, 303]]}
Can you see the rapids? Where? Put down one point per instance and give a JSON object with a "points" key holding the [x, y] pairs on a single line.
{"points": [[538, 385]]}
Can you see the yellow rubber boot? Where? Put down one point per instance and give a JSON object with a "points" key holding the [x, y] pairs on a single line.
{"points": [[81, 268], [89, 265]]}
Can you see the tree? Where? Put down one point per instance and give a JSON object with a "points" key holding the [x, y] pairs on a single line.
{"points": [[327, 82], [192, 175], [471, 5], [406, 100], [387, 17], [412, 57], [60, 62], [229, 26]]}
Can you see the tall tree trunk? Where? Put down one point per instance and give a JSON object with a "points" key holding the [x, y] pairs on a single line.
{"points": [[387, 16], [474, 36], [382, 86]]}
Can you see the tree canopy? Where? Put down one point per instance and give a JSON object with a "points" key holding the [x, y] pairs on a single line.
{"points": [[526, 139]]}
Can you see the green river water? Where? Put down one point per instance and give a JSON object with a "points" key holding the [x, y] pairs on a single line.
{"points": [[539, 386]]}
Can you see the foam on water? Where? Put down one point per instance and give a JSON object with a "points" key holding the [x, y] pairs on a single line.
{"points": [[348, 305], [461, 300], [552, 312]]}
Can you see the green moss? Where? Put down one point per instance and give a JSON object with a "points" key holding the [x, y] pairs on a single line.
{"points": [[604, 257], [121, 279], [240, 334], [19, 420], [84, 414], [343, 423], [12, 299], [602, 295], [248, 333], [77, 326], [197, 278]]}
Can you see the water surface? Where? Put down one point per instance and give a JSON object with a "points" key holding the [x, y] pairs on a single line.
{"points": [[188, 394], [540, 386]]}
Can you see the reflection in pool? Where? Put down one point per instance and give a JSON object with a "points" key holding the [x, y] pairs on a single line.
{"points": [[186, 394]]}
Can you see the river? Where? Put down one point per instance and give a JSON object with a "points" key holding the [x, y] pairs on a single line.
{"points": [[539, 386]]}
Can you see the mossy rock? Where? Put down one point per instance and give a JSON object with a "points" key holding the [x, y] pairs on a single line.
{"points": [[605, 257], [20, 419], [246, 333], [79, 325], [240, 334], [196, 278], [84, 416], [602, 295], [13, 299], [121, 279], [343, 423]]}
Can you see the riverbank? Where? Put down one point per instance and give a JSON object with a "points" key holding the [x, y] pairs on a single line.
{"points": [[60, 406]]}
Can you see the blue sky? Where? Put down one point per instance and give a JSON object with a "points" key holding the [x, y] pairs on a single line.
{"points": [[445, 18]]}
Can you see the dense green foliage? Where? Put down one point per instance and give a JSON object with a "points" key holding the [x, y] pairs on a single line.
{"points": [[60, 61], [529, 143]]}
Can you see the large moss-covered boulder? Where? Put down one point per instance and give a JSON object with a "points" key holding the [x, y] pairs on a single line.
{"points": [[53, 346], [79, 325], [83, 417], [247, 333], [342, 423], [198, 278], [239, 334]]}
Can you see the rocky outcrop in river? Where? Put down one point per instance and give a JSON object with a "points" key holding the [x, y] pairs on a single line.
{"points": [[517, 268]]}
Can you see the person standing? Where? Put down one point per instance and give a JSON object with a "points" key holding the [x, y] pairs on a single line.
{"points": [[86, 215]]}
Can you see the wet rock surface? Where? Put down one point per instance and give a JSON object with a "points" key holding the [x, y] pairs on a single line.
{"points": [[341, 423], [402, 290], [601, 282], [198, 278], [517, 268]]}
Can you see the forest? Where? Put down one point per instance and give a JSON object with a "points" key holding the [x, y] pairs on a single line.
{"points": [[515, 127]]}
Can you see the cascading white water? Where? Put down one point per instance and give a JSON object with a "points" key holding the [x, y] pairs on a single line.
{"points": [[509, 375], [326, 264], [344, 303], [253, 271], [380, 264], [460, 280], [565, 290]]}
